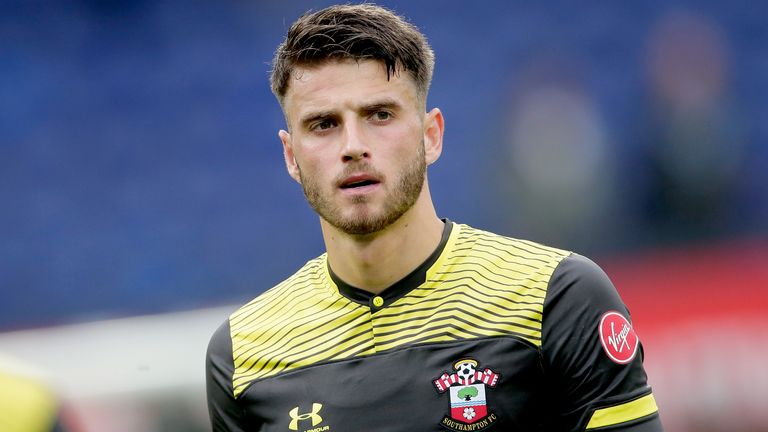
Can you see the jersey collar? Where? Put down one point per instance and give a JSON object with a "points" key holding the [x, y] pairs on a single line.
{"points": [[415, 278]]}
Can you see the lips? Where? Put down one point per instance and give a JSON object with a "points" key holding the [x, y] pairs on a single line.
{"points": [[358, 181]]}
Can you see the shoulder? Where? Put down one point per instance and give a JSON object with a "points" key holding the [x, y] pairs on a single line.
{"points": [[578, 279], [261, 318], [309, 277], [591, 353], [469, 234], [524, 258]]}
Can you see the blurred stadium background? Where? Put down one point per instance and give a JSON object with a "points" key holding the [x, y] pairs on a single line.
{"points": [[144, 194]]}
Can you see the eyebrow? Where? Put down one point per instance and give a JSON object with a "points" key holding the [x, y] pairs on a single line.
{"points": [[388, 103], [312, 117]]}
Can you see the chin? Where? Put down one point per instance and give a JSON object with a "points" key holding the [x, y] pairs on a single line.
{"points": [[370, 223]]}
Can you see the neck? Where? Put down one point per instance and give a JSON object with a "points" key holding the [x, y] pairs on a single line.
{"points": [[376, 261]]}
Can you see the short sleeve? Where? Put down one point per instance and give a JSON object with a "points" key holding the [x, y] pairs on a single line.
{"points": [[223, 408], [593, 359]]}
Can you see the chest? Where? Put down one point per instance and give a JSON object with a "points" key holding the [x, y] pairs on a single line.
{"points": [[470, 385]]}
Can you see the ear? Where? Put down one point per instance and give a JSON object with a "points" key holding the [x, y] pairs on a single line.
{"points": [[434, 126], [290, 157]]}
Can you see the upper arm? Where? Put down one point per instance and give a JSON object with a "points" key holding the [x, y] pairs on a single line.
{"points": [[597, 377], [224, 410]]}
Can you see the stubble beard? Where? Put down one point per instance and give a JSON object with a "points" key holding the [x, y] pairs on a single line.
{"points": [[363, 220]]}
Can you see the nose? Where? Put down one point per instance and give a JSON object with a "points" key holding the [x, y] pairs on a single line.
{"points": [[355, 145]]}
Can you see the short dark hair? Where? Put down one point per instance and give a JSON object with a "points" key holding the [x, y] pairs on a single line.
{"points": [[354, 32]]}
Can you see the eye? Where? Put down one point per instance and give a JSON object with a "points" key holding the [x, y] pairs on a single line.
{"points": [[381, 116], [323, 125]]}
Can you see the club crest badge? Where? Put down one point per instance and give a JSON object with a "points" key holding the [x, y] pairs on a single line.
{"points": [[467, 387]]}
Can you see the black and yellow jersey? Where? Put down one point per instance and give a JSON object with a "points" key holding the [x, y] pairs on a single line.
{"points": [[488, 333]]}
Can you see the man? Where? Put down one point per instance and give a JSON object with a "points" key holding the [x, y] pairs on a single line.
{"points": [[410, 322]]}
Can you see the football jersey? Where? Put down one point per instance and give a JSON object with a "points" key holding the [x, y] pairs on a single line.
{"points": [[488, 333]]}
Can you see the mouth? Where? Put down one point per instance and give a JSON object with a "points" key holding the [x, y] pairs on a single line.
{"points": [[359, 181]]}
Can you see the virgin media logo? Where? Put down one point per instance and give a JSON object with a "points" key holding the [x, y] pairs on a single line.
{"points": [[618, 338]]}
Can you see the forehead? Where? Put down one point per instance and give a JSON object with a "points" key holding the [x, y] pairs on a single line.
{"points": [[338, 83]]}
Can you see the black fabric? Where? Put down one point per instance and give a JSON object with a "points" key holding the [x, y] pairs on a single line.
{"points": [[224, 411], [580, 376], [395, 391]]}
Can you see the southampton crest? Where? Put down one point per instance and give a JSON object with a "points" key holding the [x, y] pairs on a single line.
{"points": [[467, 386]]}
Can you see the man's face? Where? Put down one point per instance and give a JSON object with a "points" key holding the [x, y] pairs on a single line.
{"points": [[356, 143]]}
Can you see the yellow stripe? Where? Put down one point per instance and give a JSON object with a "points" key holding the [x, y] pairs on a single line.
{"points": [[629, 411], [481, 285], [449, 245]]}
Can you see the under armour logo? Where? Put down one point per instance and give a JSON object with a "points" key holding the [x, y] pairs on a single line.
{"points": [[314, 415]]}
